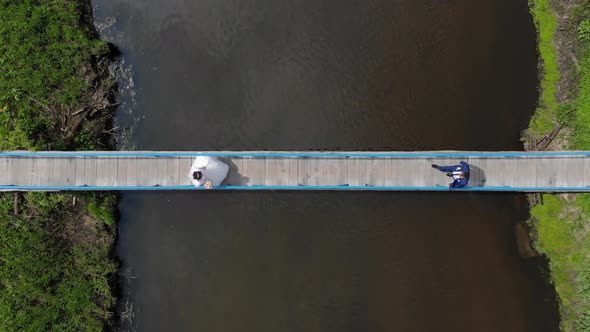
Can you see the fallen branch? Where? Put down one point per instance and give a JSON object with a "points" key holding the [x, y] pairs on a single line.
{"points": [[41, 104], [16, 203]]}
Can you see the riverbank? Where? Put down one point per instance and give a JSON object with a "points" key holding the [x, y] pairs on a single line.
{"points": [[56, 93], [561, 223]]}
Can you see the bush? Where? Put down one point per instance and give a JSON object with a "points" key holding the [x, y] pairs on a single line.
{"points": [[102, 207]]}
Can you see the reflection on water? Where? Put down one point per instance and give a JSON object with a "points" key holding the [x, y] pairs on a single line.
{"points": [[348, 75]]}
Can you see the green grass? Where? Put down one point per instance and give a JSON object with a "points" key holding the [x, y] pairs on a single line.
{"points": [[55, 262], [43, 48], [581, 125], [102, 208], [563, 227], [54, 267], [545, 20], [563, 234]]}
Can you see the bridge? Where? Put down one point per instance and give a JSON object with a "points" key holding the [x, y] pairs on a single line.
{"points": [[556, 171]]}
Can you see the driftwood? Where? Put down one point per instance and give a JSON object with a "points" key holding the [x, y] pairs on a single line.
{"points": [[542, 143], [16, 203]]}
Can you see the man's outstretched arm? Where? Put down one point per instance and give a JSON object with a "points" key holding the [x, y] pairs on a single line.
{"points": [[447, 169]]}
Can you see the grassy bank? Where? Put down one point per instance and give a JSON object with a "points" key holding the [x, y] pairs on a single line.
{"points": [[562, 222], [55, 89]]}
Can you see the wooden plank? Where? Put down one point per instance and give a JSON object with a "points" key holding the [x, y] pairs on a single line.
{"points": [[64, 172], [39, 171], [303, 171], [550, 176], [247, 171], [163, 174], [106, 171], [70, 169], [529, 173], [184, 170], [254, 171], [551, 171], [153, 171], [270, 178], [356, 171], [507, 172], [500, 167], [79, 173], [293, 171], [520, 172], [375, 172], [316, 168], [328, 175], [491, 170], [102, 172], [408, 177], [51, 179], [142, 171], [22, 171], [541, 171], [19, 168], [121, 172], [575, 172], [406, 173], [387, 172], [29, 168], [5, 164], [431, 175], [225, 160], [259, 171], [484, 164], [50, 162], [234, 177], [560, 168], [397, 172], [283, 172], [11, 166], [541, 179], [172, 172], [435, 177], [424, 168], [341, 171], [90, 171], [131, 172], [420, 175]]}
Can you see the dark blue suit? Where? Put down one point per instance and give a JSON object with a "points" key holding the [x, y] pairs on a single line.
{"points": [[458, 183]]}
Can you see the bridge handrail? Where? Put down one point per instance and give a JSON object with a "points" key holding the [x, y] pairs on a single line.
{"points": [[340, 187], [300, 154]]}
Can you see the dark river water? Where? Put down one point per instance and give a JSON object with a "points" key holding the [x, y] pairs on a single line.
{"points": [[326, 75]]}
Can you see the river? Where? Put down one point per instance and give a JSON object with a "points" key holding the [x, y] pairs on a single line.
{"points": [[326, 75]]}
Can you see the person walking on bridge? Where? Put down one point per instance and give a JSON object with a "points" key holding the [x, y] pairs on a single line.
{"points": [[459, 173], [207, 172]]}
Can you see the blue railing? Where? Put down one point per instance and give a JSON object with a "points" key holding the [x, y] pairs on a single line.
{"points": [[458, 154], [259, 187]]}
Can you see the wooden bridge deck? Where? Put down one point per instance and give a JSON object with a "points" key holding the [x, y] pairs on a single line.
{"points": [[135, 170]]}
